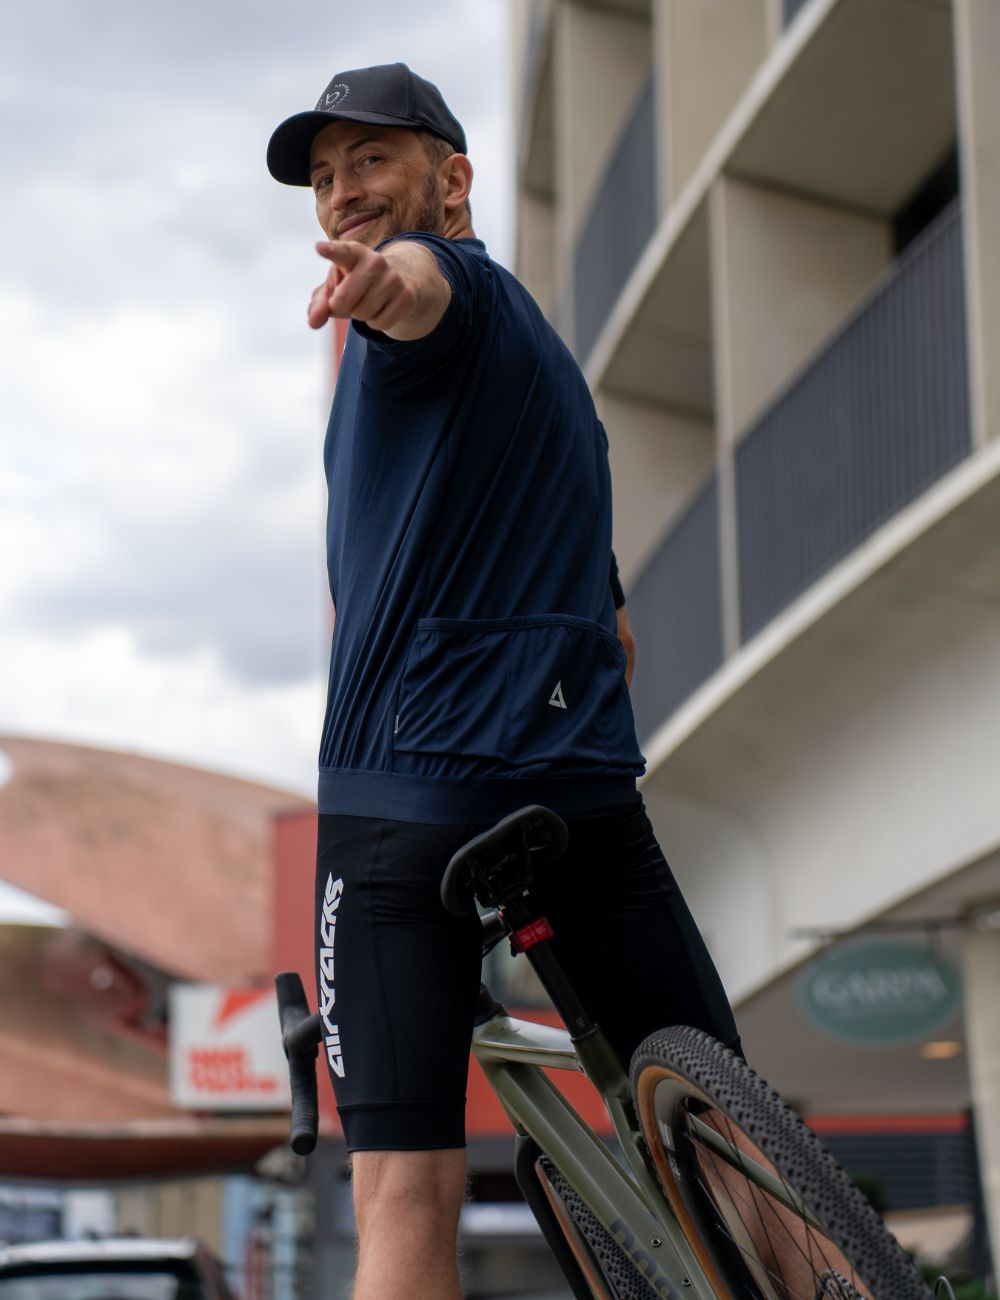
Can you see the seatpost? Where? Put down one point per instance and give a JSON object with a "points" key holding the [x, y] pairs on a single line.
{"points": [[530, 934]]}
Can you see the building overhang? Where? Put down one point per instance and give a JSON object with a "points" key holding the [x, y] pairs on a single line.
{"points": [[862, 111], [817, 121]]}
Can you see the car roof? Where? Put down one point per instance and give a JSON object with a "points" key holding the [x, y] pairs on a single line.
{"points": [[101, 1250]]}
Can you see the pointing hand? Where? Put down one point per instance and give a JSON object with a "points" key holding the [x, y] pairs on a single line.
{"points": [[362, 285]]}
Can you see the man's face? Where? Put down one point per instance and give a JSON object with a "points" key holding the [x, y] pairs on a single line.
{"points": [[373, 182]]}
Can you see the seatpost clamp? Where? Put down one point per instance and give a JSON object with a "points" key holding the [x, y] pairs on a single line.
{"points": [[525, 938]]}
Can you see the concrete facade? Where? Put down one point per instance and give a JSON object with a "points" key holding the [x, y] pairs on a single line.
{"points": [[808, 330]]}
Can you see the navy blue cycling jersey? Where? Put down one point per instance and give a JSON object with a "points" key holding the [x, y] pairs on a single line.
{"points": [[475, 666]]}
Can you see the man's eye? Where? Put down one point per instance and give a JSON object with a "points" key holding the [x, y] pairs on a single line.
{"points": [[324, 182], [371, 158]]}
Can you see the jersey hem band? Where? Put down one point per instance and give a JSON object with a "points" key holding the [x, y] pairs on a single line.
{"points": [[401, 797]]}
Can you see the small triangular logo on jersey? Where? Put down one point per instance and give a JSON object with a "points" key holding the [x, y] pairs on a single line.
{"points": [[556, 698]]}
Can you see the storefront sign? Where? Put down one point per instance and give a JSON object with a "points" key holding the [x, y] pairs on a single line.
{"points": [[880, 993], [225, 1049]]}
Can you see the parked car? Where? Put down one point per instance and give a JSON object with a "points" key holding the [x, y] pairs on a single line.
{"points": [[113, 1268]]}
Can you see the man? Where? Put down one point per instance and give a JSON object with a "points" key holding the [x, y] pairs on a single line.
{"points": [[475, 664]]}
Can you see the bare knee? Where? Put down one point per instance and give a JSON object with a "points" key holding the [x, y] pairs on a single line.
{"points": [[427, 1185]]}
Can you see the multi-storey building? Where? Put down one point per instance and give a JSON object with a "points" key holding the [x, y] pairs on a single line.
{"points": [[769, 231]]}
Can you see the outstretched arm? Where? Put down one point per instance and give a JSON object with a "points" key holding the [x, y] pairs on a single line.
{"points": [[400, 292]]}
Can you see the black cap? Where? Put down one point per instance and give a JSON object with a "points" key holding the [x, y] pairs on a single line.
{"points": [[387, 95]]}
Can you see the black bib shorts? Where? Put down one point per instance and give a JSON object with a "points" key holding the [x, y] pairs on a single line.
{"points": [[398, 976]]}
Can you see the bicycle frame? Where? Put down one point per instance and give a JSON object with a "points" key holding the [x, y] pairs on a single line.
{"points": [[624, 1197]]}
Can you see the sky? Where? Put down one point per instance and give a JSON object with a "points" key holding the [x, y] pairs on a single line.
{"points": [[162, 401]]}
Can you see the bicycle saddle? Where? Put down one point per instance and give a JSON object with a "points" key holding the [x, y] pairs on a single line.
{"points": [[500, 861]]}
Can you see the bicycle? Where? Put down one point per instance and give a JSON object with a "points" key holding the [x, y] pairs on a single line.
{"points": [[717, 1191]]}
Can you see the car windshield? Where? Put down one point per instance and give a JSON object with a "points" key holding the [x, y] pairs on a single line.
{"points": [[136, 1281]]}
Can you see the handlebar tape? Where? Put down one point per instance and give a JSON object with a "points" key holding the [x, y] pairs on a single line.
{"points": [[300, 1036]]}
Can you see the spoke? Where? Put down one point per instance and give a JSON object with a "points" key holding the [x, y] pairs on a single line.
{"points": [[767, 1234], [788, 1293], [763, 1189], [755, 1172]]}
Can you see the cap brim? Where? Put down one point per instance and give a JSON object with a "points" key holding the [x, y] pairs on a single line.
{"points": [[289, 148]]}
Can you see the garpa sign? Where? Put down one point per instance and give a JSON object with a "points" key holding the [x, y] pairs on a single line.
{"points": [[875, 994], [225, 1049]]}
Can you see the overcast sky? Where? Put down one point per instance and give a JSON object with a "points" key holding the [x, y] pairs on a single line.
{"points": [[163, 403]]}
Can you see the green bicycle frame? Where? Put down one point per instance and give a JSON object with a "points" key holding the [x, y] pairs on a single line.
{"points": [[624, 1197]]}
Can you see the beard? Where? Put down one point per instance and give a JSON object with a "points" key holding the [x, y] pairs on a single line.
{"points": [[424, 213]]}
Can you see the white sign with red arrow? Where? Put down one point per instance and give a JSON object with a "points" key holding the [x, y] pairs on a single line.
{"points": [[225, 1049]]}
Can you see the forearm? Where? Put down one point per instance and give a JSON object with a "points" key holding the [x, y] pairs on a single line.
{"points": [[624, 628], [430, 292]]}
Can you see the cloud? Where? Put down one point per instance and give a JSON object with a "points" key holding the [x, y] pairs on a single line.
{"points": [[99, 687], [161, 500], [195, 525]]}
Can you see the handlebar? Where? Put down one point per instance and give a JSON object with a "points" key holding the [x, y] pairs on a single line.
{"points": [[301, 1034], [300, 1037]]}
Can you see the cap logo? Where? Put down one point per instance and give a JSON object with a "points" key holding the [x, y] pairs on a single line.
{"points": [[334, 97]]}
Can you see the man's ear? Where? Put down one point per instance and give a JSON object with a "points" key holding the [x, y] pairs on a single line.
{"points": [[458, 179]]}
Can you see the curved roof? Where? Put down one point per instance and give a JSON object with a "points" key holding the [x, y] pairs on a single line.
{"points": [[168, 862]]}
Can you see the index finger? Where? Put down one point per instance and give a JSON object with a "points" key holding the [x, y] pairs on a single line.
{"points": [[341, 252]]}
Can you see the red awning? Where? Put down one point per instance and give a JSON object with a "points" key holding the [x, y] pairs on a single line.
{"points": [[148, 1149]]}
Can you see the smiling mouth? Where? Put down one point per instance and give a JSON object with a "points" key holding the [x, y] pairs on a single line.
{"points": [[357, 221]]}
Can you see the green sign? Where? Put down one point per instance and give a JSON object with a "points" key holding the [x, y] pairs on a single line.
{"points": [[875, 994]]}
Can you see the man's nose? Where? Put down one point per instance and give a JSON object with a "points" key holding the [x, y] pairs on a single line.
{"points": [[347, 189]]}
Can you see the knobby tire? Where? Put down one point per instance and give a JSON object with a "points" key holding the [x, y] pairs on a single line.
{"points": [[750, 1243]]}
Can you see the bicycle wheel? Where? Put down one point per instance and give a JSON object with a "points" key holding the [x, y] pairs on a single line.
{"points": [[768, 1211], [606, 1271]]}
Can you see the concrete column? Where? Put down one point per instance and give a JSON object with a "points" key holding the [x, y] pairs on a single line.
{"points": [[536, 246], [706, 51], [793, 271], [774, 16], [659, 459], [519, 17], [981, 978], [977, 53]]}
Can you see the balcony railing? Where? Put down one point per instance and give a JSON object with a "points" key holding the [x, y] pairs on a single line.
{"points": [[619, 225], [878, 416], [881, 414], [676, 612]]}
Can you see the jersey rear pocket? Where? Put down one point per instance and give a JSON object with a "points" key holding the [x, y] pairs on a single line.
{"points": [[513, 697]]}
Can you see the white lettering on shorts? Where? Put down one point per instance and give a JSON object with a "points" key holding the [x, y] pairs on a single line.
{"points": [[327, 995]]}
